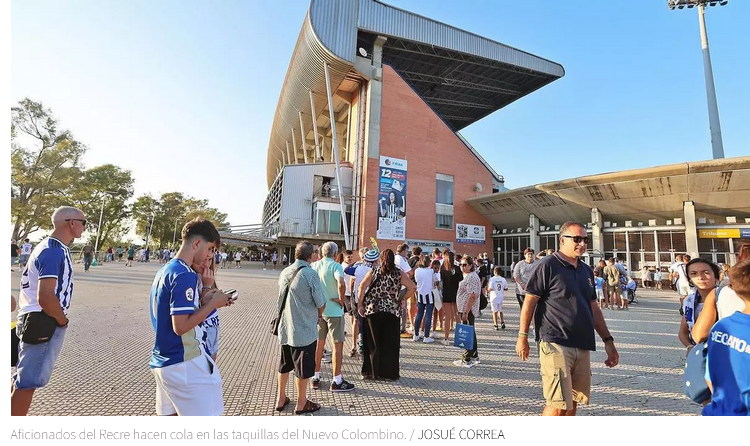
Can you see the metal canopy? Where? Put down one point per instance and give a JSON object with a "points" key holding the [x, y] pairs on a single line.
{"points": [[719, 188], [460, 88]]}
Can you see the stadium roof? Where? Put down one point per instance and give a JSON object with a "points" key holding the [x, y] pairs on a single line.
{"points": [[462, 76], [719, 188]]}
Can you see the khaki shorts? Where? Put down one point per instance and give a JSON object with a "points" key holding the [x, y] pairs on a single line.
{"points": [[566, 375], [332, 325]]}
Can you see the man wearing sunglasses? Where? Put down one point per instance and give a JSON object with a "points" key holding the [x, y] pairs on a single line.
{"points": [[46, 292], [561, 297]]}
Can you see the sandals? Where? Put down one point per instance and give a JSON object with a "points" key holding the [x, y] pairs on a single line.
{"points": [[283, 406], [310, 407]]}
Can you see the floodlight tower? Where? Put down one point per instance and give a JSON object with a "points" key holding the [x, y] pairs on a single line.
{"points": [[713, 109]]}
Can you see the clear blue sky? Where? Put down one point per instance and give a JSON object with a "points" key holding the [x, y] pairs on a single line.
{"points": [[183, 93]]}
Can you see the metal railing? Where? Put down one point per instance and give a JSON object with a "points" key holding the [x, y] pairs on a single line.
{"points": [[333, 192]]}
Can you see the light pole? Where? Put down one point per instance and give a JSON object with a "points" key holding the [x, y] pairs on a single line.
{"points": [[713, 109], [150, 225], [174, 234], [101, 214]]}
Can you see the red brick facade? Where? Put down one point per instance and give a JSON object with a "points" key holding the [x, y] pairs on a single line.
{"points": [[410, 130]]}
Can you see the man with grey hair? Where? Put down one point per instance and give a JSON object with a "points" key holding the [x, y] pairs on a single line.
{"points": [[46, 292], [298, 333], [331, 275]]}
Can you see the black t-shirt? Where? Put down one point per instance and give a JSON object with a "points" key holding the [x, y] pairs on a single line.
{"points": [[563, 314], [13, 250]]}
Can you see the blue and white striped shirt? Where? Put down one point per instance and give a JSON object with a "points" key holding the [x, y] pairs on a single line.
{"points": [[50, 259]]}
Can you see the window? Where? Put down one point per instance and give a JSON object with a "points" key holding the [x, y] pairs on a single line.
{"points": [[443, 201], [444, 189], [444, 221]]}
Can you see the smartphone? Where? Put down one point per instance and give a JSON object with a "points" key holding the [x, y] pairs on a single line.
{"points": [[232, 293]]}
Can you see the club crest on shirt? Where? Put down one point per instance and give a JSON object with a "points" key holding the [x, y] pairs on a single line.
{"points": [[189, 294]]}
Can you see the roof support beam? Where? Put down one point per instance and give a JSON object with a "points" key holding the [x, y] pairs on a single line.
{"points": [[345, 96], [314, 125], [415, 76], [443, 101], [302, 136], [288, 154]]}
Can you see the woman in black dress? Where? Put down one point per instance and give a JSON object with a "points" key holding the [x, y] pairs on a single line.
{"points": [[450, 276], [380, 309]]}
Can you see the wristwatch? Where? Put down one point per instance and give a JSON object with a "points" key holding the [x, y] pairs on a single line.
{"points": [[607, 339]]}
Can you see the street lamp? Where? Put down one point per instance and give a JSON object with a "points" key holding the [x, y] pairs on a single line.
{"points": [[713, 109], [101, 214], [174, 234]]}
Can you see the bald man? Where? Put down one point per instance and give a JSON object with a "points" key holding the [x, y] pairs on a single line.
{"points": [[46, 292]]}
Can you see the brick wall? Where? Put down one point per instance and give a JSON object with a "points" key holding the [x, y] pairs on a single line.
{"points": [[411, 130]]}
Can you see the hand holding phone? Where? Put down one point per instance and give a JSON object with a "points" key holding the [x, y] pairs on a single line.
{"points": [[233, 293]]}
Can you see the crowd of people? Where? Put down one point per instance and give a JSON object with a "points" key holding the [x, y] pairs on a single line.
{"points": [[388, 296]]}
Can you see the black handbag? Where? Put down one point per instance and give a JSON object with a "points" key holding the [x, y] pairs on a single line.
{"points": [[37, 327], [275, 321]]}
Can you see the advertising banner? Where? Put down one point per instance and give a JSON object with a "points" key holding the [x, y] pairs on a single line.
{"points": [[719, 233], [392, 199], [469, 234]]}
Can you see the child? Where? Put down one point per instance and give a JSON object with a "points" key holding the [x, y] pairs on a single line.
{"points": [[495, 287], [600, 290], [728, 360], [657, 278]]}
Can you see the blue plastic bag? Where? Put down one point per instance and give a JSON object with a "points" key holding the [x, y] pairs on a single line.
{"points": [[694, 377], [464, 336]]}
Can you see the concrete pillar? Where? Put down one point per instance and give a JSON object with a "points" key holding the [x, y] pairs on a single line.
{"points": [[597, 237], [691, 231], [534, 240], [375, 100]]}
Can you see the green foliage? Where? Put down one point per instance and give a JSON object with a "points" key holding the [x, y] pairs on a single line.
{"points": [[170, 213], [45, 167]]}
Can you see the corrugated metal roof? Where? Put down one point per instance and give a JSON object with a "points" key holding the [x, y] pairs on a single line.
{"points": [[387, 20]]}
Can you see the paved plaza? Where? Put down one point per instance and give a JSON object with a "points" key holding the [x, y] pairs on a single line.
{"points": [[103, 368]]}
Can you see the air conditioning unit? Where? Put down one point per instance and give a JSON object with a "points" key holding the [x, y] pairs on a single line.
{"points": [[607, 224], [505, 231], [557, 227], [588, 225], [628, 223], [678, 221], [614, 225], [711, 221], [669, 222], [652, 222], [640, 224], [731, 219], [701, 220]]}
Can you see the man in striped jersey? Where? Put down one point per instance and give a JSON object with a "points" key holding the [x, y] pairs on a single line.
{"points": [[47, 289]]}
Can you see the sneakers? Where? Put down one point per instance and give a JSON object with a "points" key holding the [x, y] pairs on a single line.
{"points": [[496, 327], [428, 340], [405, 335], [416, 338], [353, 352], [316, 383], [462, 363], [502, 325], [326, 360], [345, 386], [476, 360]]}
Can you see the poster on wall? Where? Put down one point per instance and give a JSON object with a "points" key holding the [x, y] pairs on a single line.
{"points": [[392, 199], [470, 234]]}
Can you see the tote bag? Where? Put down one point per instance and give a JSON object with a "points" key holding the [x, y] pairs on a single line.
{"points": [[464, 336], [437, 297]]}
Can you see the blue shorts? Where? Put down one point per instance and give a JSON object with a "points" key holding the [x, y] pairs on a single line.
{"points": [[13, 260], [36, 361], [212, 339]]}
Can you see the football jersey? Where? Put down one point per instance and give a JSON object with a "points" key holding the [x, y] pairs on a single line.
{"points": [[728, 366], [26, 248], [174, 292], [50, 259], [497, 285]]}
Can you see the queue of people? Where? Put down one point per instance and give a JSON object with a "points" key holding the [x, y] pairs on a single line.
{"points": [[560, 295]]}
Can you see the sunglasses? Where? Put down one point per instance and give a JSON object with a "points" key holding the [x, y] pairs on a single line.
{"points": [[577, 238], [465, 264], [83, 222]]}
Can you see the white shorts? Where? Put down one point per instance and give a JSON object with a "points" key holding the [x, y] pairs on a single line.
{"points": [[497, 304], [684, 289], [189, 388], [600, 294]]}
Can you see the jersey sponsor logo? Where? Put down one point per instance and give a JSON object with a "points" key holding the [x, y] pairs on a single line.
{"points": [[189, 294]]}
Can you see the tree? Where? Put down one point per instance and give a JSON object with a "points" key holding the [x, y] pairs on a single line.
{"points": [[45, 162], [109, 185], [170, 213]]}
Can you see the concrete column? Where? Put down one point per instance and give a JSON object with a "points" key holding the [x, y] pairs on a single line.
{"points": [[375, 100], [691, 231], [597, 237], [533, 233]]}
